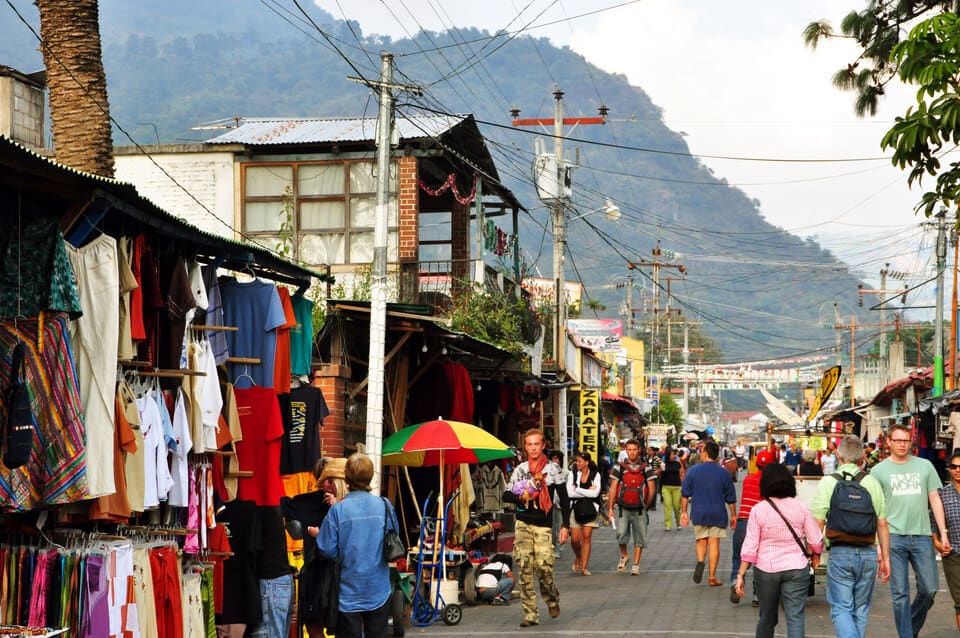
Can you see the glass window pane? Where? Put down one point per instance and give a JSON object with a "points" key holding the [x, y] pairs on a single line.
{"points": [[261, 216], [268, 181], [320, 179], [363, 211], [392, 243], [270, 242], [363, 177], [319, 215], [322, 249], [361, 248]]}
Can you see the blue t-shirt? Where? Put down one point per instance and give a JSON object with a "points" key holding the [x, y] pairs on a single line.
{"points": [[353, 530], [709, 488], [254, 308], [301, 336]]}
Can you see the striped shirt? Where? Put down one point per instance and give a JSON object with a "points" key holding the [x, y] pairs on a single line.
{"points": [[951, 514], [769, 544]]}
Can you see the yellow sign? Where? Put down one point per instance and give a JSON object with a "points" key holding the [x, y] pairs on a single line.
{"points": [[589, 422], [827, 384]]}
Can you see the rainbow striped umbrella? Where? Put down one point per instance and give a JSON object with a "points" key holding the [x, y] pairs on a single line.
{"points": [[440, 442]]}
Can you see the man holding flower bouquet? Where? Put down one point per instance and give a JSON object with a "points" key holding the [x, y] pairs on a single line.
{"points": [[529, 490]]}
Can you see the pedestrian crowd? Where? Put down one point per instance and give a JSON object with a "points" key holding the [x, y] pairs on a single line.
{"points": [[882, 512]]}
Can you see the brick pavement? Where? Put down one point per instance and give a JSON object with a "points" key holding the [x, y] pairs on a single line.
{"points": [[663, 600]]}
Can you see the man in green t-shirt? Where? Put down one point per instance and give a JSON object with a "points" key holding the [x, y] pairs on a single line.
{"points": [[910, 484]]}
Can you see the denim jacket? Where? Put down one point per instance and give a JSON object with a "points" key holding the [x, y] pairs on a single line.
{"points": [[353, 531]]}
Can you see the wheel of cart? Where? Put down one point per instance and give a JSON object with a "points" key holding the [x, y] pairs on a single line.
{"points": [[428, 600], [401, 596]]}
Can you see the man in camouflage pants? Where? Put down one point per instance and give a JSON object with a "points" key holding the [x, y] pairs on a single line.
{"points": [[529, 489]]}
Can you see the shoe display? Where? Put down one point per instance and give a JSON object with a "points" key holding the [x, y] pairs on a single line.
{"points": [[698, 572]]}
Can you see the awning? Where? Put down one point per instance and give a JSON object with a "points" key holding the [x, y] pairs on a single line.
{"points": [[610, 396]]}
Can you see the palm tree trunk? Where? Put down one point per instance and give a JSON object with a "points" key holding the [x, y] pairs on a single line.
{"points": [[79, 110]]}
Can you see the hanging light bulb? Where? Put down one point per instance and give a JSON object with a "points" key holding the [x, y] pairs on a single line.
{"points": [[443, 351], [424, 348]]}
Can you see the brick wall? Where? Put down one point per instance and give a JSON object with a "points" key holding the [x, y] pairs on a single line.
{"points": [[332, 381], [409, 236]]}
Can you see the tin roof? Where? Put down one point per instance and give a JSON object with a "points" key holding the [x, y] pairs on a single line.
{"points": [[280, 131]]}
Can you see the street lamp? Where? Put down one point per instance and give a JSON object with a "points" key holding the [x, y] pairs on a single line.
{"points": [[610, 210]]}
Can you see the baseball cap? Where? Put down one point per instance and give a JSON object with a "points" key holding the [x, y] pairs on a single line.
{"points": [[765, 457]]}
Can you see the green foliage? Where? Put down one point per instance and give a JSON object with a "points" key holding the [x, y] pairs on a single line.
{"points": [[929, 57], [496, 319], [668, 411], [285, 247], [877, 30]]}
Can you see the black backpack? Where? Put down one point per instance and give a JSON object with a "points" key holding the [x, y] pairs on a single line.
{"points": [[851, 519]]}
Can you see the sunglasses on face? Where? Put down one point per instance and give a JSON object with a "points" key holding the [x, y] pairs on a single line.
{"points": [[954, 466]]}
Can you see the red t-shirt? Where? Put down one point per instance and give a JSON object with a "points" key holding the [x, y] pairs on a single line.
{"points": [[750, 495], [281, 363], [259, 451]]}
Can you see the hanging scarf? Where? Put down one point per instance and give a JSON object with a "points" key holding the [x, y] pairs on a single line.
{"points": [[536, 470]]}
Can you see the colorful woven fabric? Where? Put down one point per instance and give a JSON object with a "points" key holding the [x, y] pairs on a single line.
{"points": [[56, 472]]}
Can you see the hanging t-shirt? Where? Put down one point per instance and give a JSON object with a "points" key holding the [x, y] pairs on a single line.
{"points": [[137, 330], [126, 349], [301, 336], [179, 470], [259, 451], [214, 316], [241, 587], [281, 375], [303, 413], [254, 308]]}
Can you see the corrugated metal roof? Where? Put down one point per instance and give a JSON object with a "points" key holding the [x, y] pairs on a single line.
{"points": [[332, 130]]}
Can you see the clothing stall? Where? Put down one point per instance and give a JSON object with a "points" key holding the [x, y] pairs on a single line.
{"points": [[167, 377]]}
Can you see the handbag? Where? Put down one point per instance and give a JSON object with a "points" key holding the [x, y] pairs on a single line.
{"points": [[811, 586], [584, 510], [18, 433], [393, 547]]}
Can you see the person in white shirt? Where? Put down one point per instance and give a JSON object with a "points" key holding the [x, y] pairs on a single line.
{"points": [[828, 460], [495, 580]]}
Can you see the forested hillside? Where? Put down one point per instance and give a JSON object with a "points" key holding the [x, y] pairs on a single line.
{"points": [[759, 291]]}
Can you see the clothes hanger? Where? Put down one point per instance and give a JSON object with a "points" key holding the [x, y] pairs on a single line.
{"points": [[245, 374]]}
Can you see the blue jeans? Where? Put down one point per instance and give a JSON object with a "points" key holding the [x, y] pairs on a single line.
{"points": [[918, 552], [851, 572], [739, 533], [503, 588], [276, 595], [775, 588]]}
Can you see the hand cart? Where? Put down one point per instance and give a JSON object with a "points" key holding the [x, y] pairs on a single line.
{"points": [[428, 601]]}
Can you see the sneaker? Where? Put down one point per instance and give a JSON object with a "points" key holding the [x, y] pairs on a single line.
{"points": [[622, 565], [554, 610], [698, 572], [500, 600], [635, 570], [668, 529], [756, 602]]}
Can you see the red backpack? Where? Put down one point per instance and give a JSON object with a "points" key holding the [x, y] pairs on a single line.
{"points": [[633, 487]]}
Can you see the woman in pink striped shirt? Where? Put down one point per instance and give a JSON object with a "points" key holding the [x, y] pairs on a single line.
{"points": [[780, 564]]}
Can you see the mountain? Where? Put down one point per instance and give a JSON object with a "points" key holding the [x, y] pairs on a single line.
{"points": [[761, 292]]}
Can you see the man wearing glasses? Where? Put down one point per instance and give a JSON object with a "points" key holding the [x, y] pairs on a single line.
{"points": [[950, 495], [910, 483]]}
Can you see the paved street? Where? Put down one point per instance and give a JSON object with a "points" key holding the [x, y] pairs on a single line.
{"points": [[663, 600]]}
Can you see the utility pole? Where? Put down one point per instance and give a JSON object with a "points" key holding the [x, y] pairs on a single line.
{"points": [[938, 332], [555, 191], [656, 264], [378, 291], [882, 293]]}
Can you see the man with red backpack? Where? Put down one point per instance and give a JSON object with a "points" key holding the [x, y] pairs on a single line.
{"points": [[632, 490]]}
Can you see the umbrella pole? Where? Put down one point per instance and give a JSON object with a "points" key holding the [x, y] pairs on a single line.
{"points": [[442, 524]]}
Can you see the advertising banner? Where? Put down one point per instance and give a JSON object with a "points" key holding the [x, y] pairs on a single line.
{"points": [[589, 440]]}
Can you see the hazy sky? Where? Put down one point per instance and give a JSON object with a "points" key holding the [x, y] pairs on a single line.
{"points": [[736, 77]]}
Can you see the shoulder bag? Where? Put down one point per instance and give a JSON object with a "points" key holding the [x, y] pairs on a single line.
{"points": [[393, 548], [813, 578]]}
